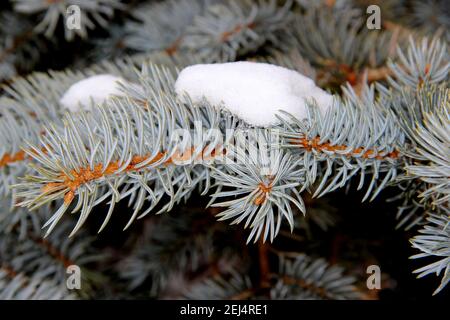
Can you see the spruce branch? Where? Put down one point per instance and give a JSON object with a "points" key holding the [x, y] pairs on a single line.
{"points": [[27, 105], [161, 26], [30, 103], [232, 286], [47, 259], [179, 244], [335, 148], [96, 12], [423, 63], [336, 41], [20, 220], [14, 286], [118, 145], [296, 277], [388, 126], [434, 241], [124, 148], [263, 180], [20, 48], [233, 29], [301, 277], [433, 144], [430, 16], [213, 31]]}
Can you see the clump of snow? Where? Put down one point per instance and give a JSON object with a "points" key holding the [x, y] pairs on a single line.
{"points": [[92, 91], [255, 92]]}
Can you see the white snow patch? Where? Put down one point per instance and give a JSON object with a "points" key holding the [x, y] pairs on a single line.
{"points": [[255, 92], [91, 91]]}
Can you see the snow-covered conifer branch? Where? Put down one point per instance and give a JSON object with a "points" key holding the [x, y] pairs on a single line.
{"points": [[31, 102], [119, 150], [125, 149], [27, 105], [261, 142]]}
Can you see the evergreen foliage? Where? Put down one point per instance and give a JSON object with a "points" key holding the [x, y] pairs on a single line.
{"points": [[79, 175]]}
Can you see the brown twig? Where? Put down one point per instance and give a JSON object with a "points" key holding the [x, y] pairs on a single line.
{"points": [[81, 176], [314, 144], [264, 266]]}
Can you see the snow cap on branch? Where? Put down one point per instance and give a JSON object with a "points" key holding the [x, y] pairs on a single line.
{"points": [[255, 92], [91, 91]]}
